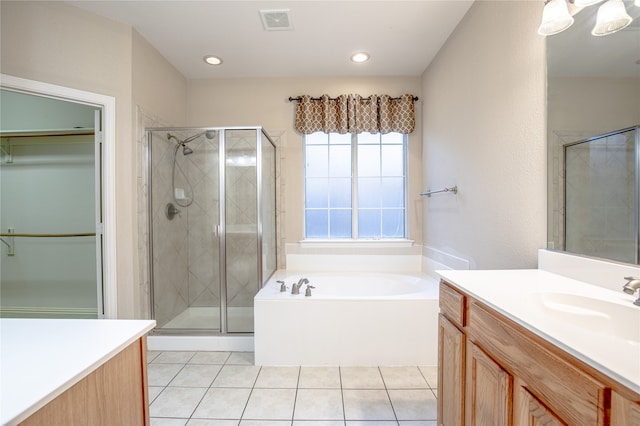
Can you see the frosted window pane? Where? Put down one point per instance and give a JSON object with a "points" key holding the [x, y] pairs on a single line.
{"points": [[392, 192], [316, 138], [337, 138], [340, 223], [340, 193], [392, 160], [317, 160], [392, 223], [395, 138], [340, 161], [369, 223], [317, 193], [316, 223], [369, 192], [368, 160], [368, 138]]}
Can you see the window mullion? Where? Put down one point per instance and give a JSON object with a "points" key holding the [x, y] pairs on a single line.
{"points": [[354, 186]]}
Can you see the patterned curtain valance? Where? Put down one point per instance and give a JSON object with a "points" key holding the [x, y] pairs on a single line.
{"points": [[355, 114]]}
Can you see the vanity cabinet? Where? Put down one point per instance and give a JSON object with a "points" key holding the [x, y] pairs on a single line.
{"points": [[493, 371], [115, 394]]}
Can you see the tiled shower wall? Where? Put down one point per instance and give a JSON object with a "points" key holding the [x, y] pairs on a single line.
{"points": [[600, 197]]}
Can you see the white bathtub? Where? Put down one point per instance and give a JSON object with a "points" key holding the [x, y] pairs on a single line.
{"points": [[351, 319]]}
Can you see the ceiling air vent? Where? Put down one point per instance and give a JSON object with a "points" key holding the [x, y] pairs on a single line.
{"points": [[276, 20]]}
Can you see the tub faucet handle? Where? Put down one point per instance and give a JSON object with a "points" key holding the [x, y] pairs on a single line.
{"points": [[295, 288], [283, 286], [307, 292]]}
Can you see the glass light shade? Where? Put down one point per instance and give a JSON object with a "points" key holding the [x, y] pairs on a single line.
{"points": [[555, 18], [612, 17], [637, 3], [585, 3]]}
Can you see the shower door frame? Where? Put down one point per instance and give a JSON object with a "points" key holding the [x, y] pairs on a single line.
{"points": [[221, 228]]}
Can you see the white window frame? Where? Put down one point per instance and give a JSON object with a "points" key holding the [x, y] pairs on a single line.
{"points": [[354, 196]]}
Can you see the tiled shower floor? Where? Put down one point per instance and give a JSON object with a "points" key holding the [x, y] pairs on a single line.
{"points": [[225, 389]]}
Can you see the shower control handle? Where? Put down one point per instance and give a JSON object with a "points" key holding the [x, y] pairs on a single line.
{"points": [[171, 211], [283, 286]]}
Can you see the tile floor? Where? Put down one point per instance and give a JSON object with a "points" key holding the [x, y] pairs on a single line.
{"points": [[225, 389]]}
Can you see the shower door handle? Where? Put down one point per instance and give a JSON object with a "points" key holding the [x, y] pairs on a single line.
{"points": [[215, 230]]}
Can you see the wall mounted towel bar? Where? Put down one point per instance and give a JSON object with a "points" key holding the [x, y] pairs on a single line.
{"points": [[428, 192]]}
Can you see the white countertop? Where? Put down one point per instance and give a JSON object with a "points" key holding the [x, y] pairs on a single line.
{"points": [[543, 302], [41, 358]]}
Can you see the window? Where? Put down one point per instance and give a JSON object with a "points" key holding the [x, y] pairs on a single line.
{"points": [[355, 186]]}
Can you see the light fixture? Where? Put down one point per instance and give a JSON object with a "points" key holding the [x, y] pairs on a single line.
{"points": [[555, 18], [612, 17], [212, 60], [360, 57], [585, 3]]}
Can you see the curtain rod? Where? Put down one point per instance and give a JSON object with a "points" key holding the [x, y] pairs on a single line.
{"points": [[298, 99]]}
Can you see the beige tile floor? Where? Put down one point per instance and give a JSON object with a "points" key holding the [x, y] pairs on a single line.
{"points": [[226, 389]]}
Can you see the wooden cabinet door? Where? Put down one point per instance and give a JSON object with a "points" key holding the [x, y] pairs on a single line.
{"points": [[451, 343], [531, 412], [623, 411], [489, 390]]}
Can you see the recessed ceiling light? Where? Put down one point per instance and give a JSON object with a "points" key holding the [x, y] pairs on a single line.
{"points": [[360, 57], [212, 60]]}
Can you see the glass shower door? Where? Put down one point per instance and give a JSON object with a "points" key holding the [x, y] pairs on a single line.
{"points": [[185, 230], [241, 227]]}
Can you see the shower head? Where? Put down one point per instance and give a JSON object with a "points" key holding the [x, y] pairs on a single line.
{"points": [[209, 134], [186, 150]]}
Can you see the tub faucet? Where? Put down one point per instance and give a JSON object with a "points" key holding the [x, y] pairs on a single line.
{"points": [[295, 288], [631, 286]]}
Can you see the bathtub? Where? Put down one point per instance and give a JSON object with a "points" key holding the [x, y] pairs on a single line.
{"points": [[351, 319]]}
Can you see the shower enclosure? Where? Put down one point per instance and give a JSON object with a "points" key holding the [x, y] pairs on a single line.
{"points": [[601, 196], [212, 236]]}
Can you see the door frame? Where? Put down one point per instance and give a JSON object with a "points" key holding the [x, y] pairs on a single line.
{"points": [[108, 106]]}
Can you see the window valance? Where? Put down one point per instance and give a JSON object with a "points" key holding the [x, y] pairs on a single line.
{"points": [[355, 114]]}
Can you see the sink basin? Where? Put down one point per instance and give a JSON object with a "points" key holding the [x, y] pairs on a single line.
{"points": [[596, 315]]}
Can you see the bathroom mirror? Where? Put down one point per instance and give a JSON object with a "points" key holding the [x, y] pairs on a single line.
{"points": [[593, 89]]}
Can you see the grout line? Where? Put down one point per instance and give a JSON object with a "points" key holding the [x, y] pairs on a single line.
{"points": [[344, 409], [386, 389]]}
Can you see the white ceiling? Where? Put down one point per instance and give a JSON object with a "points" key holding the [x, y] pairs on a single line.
{"points": [[402, 37]]}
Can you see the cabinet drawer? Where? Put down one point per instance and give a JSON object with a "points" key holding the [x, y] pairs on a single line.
{"points": [[452, 304], [573, 395]]}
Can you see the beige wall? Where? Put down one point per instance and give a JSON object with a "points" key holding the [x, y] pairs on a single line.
{"points": [[158, 87], [484, 130], [59, 44], [593, 105], [264, 102]]}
